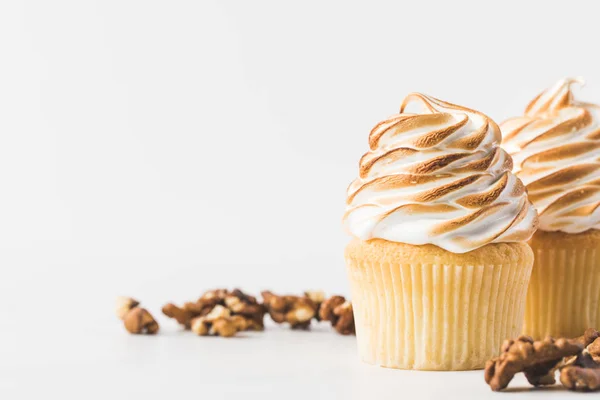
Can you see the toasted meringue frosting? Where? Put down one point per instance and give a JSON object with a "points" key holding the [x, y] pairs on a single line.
{"points": [[438, 177], [556, 151]]}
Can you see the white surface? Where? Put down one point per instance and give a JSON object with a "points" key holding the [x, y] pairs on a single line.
{"points": [[160, 148], [276, 364]]}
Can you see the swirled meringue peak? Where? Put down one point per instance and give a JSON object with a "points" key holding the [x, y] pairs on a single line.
{"points": [[438, 177], [556, 149]]}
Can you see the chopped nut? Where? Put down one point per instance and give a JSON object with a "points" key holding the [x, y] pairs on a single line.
{"points": [[295, 310], [582, 374], [199, 308], [542, 374], [588, 337], [238, 306], [594, 350], [338, 311], [252, 325], [220, 321], [199, 326], [326, 310], [139, 320], [275, 305], [217, 312], [136, 319], [248, 307], [300, 315], [240, 322], [235, 301], [223, 326], [345, 322], [536, 359], [214, 295], [219, 324], [584, 360], [246, 298], [592, 346], [317, 297], [578, 378], [181, 315], [124, 305]]}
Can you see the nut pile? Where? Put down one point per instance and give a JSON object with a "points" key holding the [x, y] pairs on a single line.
{"points": [[297, 311], [219, 322], [219, 312], [222, 312], [577, 359], [583, 372], [136, 319]]}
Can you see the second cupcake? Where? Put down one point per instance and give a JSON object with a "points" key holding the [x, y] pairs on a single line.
{"points": [[556, 147], [439, 263]]}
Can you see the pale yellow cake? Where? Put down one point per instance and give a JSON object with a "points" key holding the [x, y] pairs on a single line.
{"points": [[422, 307]]}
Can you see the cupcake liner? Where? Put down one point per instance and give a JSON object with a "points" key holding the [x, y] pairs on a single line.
{"points": [[563, 299], [435, 316]]}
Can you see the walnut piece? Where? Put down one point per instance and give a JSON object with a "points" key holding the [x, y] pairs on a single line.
{"points": [[581, 374], [199, 326], [136, 319], [237, 302], [182, 315], [587, 340], [224, 327], [218, 322], [588, 337], [124, 305], [317, 297], [241, 323], [537, 359], [583, 371], [139, 320], [594, 350], [295, 310], [327, 307], [338, 311], [578, 378], [218, 311]]}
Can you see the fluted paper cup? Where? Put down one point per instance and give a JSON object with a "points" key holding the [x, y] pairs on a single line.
{"points": [[563, 298], [422, 307]]}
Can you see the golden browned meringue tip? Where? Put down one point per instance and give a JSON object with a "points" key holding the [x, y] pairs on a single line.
{"points": [[561, 97], [556, 149], [439, 177]]}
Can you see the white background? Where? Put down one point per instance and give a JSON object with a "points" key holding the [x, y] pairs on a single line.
{"points": [[160, 148]]}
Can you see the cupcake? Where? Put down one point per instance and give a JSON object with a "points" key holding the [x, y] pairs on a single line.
{"points": [[439, 263], [556, 151]]}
